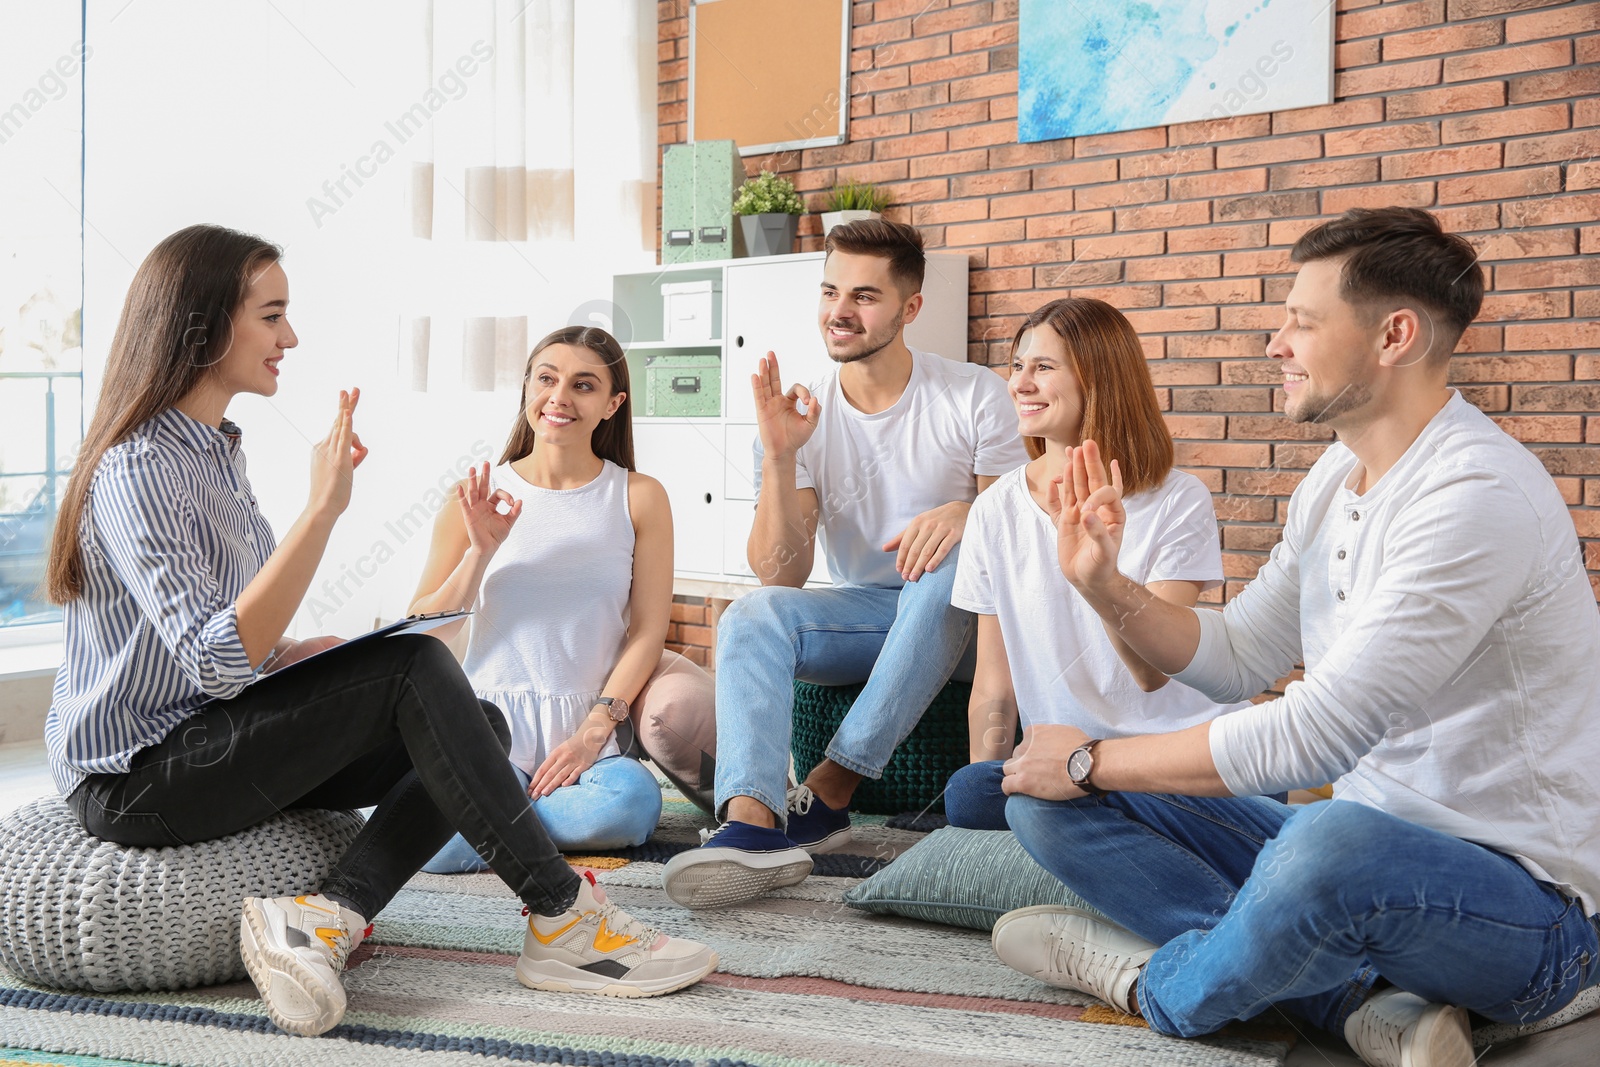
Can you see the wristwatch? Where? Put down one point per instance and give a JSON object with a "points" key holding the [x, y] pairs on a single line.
{"points": [[615, 707], [1080, 765]]}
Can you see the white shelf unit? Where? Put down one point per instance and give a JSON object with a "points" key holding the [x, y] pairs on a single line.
{"points": [[761, 304]]}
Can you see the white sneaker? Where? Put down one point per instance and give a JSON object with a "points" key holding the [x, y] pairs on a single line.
{"points": [[295, 949], [596, 947], [1073, 949], [1399, 1029]]}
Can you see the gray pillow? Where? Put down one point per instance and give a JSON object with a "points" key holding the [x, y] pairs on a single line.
{"points": [[961, 877]]}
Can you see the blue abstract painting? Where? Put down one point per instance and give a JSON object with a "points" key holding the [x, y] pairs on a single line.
{"points": [[1095, 66]]}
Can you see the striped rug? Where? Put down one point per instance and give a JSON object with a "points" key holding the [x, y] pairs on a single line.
{"points": [[804, 982]]}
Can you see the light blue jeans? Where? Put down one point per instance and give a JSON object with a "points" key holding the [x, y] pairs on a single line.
{"points": [[904, 642], [614, 804], [1258, 904]]}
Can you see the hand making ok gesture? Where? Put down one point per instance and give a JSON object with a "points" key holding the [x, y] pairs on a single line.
{"points": [[783, 429]]}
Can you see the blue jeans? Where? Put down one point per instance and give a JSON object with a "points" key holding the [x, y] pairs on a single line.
{"points": [[905, 642], [1257, 904], [614, 804]]}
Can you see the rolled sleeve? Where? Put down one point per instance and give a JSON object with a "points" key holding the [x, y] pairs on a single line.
{"points": [[146, 528]]}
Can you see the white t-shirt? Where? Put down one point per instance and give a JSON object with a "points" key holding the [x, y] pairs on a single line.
{"points": [[873, 474], [1063, 667]]}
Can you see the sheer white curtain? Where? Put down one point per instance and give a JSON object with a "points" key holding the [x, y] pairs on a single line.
{"points": [[530, 177]]}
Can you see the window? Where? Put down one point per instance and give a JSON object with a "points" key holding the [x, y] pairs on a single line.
{"points": [[41, 291]]}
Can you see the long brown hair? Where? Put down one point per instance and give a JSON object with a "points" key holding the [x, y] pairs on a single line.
{"points": [[613, 438], [176, 324], [1120, 411]]}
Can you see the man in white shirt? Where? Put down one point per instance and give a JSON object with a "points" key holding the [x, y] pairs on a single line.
{"points": [[1430, 579], [886, 458]]}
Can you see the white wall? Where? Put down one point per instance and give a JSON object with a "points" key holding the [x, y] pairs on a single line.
{"points": [[237, 114]]}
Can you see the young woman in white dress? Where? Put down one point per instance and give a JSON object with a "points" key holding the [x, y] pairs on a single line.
{"points": [[564, 552]]}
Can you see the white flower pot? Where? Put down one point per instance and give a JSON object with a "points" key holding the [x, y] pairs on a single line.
{"points": [[830, 219]]}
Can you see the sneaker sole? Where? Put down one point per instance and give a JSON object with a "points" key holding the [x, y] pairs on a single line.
{"points": [[281, 974], [1443, 1038], [551, 976], [832, 843], [718, 882]]}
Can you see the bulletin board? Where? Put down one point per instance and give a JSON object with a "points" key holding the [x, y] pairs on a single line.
{"points": [[769, 75]]}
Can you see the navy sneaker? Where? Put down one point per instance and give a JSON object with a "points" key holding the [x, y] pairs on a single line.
{"points": [[739, 862], [813, 825]]}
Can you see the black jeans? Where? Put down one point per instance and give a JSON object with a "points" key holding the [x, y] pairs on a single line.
{"points": [[391, 722]]}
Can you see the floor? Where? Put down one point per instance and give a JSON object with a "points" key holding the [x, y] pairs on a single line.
{"points": [[24, 777]]}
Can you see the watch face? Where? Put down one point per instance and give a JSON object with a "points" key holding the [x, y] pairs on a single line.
{"points": [[1079, 764]]}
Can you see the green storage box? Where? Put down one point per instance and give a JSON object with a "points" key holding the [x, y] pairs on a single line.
{"points": [[684, 386], [697, 186]]}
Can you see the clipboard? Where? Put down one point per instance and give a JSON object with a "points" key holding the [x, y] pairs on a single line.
{"points": [[411, 624]]}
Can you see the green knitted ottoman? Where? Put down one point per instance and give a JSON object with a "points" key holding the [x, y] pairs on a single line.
{"points": [[916, 775]]}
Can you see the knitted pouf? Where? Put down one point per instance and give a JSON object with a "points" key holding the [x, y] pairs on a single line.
{"points": [[80, 913], [916, 775]]}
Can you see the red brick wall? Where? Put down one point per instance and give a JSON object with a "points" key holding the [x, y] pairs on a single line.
{"points": [[1486, 112]]}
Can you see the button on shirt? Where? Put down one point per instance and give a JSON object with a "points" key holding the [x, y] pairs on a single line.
{"points": [[170, 536], [1450, 637]]}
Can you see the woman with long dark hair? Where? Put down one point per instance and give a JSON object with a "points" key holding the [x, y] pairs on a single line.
{"points": [[173, 720], [565, 552]]}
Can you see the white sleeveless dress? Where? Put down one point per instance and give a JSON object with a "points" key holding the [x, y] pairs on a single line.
{"points": [[552, 613]]}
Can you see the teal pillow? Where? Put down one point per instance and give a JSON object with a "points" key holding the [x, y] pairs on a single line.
{"points": [[960, 877]]}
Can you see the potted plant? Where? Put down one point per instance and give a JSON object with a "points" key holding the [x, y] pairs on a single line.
{"points": [[852, 200], [769, 211]]}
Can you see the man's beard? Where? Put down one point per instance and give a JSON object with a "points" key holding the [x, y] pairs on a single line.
{"points": [[890, 332], [1312, 409]]}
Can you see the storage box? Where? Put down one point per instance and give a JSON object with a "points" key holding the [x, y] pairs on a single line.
{"points": [[697, 186], [689, 310], [683, 386]]}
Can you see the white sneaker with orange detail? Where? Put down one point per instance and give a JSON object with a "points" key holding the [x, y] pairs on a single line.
{"points": [[596, 947], [295, 948]]}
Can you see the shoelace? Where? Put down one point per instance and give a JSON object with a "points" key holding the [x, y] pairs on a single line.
{"points": [[1377, 1032], [1082, 964], [619, 921], [800, 799], [341, 946]]}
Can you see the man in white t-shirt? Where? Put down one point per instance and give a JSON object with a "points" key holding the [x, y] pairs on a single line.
{"points": [[886, 458], [1430, 579]]}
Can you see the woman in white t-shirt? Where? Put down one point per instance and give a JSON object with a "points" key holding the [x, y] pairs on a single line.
{"points": [[1077, 373]]}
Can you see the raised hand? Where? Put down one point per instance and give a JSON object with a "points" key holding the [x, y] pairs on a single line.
{"points": [[487, 526], [1089, 517], [783, 429], [335, 457]]}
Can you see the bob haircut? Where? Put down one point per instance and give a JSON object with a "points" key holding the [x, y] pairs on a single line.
{"points": [[1120, 411]]}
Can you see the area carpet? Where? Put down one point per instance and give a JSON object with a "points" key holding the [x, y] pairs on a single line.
{"points": [[804, 982]]}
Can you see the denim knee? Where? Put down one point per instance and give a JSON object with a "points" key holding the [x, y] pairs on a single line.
{"points": [[752, 611], [636, 795], [973, 798], [1314, 849]]}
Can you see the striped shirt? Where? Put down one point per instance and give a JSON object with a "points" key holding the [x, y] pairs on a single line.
{"points": [[170, 535]]}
